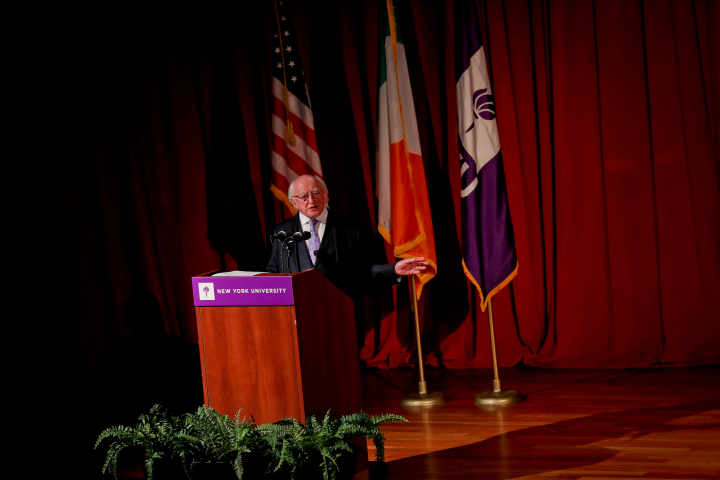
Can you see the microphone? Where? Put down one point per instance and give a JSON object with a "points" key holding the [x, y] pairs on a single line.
{"points": [[297, 236], [280, 235]]}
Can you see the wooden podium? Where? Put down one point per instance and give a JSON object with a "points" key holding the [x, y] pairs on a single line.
{"points": [[277, 346]]}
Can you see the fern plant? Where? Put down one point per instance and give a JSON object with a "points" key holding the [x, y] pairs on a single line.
{"points": [[280, 450], [297, 448], [156, 433], [363, 425], [213, 437]]}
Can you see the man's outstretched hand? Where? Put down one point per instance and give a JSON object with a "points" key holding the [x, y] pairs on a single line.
{"points": [[411, 266]]}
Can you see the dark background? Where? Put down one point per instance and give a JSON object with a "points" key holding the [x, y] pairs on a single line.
{"points": [[153, 166]]}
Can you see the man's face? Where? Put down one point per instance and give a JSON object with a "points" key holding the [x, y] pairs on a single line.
{"points": [[313, 205]]}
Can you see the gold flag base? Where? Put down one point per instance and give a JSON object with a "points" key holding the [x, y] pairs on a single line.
{"points": [[499, 396], [422, 398], [505, 397]]}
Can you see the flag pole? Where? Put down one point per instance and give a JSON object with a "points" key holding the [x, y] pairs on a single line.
{"points": [[422, 398], [498, 396]]}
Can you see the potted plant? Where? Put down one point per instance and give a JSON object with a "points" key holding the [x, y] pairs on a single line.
{"points": [[217, 446], [321, 447], [156, 434], [207, 444]]}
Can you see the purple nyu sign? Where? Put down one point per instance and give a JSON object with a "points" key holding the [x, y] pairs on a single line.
{"points": [[244, 291]]}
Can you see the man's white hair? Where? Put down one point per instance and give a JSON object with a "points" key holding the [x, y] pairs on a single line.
{"points": [[291, 189]]}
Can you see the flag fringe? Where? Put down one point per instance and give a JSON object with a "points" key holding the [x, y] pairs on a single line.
{"points": [[422, 279], [485, 299], [401, 249], [282, 196], [385, 234]]}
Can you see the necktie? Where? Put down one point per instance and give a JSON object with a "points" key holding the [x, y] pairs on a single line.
{"points": [[314, 242]]}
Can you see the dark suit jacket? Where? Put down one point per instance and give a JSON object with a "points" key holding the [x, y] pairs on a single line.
{"points": [[342, 258]]}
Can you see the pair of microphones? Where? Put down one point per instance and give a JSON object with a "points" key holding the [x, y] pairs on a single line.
{"points": [[290, 237]]}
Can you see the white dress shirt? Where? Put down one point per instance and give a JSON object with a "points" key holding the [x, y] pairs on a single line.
{"points": [[319, 227]]}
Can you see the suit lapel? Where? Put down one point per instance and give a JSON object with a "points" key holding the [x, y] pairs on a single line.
{"points": [[328, 242], [301, 246], [304, 254]]}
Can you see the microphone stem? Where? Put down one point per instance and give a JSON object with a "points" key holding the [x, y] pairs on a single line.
{"points": [[287, 262]]}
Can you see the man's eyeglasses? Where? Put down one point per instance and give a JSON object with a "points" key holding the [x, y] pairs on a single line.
{"points": [[305, 197]]}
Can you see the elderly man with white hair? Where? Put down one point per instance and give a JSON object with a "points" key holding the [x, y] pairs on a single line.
{"points": [[334, 247]]}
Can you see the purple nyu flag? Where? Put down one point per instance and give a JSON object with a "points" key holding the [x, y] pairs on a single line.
{"points": [[488, 242]]}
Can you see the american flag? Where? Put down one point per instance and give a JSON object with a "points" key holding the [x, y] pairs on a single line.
{"points": [[294, 147]]}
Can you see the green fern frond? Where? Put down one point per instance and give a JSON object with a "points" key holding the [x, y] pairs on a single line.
{"points": [[150, 463], [388, 417], [326, 470], [112, 459], [120, 433], [353, 430], [238, 466], [379, 442], [360, 418], [283, 455], [345, 447]]}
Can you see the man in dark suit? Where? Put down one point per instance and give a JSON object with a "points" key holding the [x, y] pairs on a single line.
{"points": [[334, 248]]}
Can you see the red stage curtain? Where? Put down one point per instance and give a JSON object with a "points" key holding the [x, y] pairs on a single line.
{"points": [[608, 119]]}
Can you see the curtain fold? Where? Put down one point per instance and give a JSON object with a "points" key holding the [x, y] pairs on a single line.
{"points": [[608, 121]]}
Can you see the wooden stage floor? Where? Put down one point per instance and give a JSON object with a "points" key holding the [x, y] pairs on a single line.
{"points": [[575, 424]]}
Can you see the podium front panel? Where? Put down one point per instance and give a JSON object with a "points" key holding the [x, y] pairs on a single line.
{"points": [[249, 361]]}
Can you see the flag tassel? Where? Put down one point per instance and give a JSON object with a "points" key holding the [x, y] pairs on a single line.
{"points": [[289, 134], [498, 396]]}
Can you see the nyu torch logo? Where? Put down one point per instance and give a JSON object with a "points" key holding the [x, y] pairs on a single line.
{"points": [[483, 106], [483, 144], [206, 291]]}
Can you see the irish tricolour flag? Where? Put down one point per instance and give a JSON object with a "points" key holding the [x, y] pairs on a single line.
{"points": [[404, 210]]}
